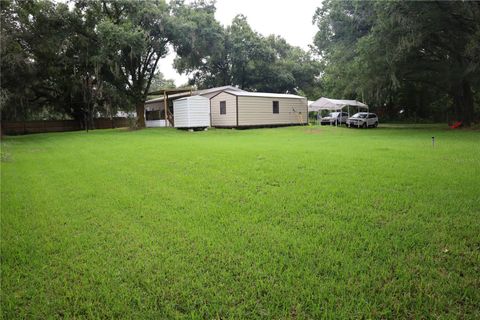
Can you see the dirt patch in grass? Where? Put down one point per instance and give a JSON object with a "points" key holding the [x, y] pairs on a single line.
{"points": [[4, 154], [5, 157]]}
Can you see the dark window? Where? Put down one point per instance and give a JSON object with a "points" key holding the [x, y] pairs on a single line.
{"points": [[223, 107], [153, 115], [275, 107], [371, 115]]}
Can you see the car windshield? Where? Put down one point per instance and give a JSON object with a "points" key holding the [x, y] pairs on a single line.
{"points": [[359, 115]]}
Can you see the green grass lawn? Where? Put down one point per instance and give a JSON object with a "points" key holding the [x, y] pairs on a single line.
{"points": [[298, 222]]}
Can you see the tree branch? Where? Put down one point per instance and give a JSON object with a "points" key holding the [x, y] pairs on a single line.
{"points": [[152, 72]]}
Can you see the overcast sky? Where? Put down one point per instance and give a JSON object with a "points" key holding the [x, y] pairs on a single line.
{"points": [[290, 19]]}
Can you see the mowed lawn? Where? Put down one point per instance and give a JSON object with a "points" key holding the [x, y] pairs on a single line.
{"points": [[285, 223]]}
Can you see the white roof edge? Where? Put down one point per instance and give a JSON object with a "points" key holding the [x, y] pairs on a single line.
{"points": [[211, 90], [191, 97]]}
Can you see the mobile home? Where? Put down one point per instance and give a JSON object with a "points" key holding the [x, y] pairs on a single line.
{"points": [[230, 108], [155, 110]]}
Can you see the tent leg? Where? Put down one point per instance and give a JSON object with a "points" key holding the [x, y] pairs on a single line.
{"points": [[358, 125]]}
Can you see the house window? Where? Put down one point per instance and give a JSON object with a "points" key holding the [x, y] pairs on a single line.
{"points": [[275, 107], [153, 115], [223, 107]]}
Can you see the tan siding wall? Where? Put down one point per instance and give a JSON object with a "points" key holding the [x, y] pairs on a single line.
{"points": [[229, 119], [259, 111]]}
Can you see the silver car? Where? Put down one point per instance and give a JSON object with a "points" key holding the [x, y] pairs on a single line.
{"points": [[363, 120], [333, 117]]}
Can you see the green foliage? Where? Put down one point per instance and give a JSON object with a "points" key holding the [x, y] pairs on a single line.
{"points": [[133, 36], [304, 223], [97, 57], [33, 57], [51, 62], [159, 82], [417, 55], [237, 55], [197, 34]]}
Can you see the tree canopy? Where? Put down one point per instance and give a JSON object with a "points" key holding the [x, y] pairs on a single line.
{"points": [[94, 57], [97, 57], [85, 58], [419, 56], [241, 57]]}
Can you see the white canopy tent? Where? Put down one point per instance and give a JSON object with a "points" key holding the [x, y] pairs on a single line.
{"points": [[335, 105]]}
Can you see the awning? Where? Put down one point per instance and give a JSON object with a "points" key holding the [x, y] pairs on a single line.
{"points": [[170, 91], [334, 104]]}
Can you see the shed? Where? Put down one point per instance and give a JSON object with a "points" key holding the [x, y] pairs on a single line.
{"points": [[191, 112], [256, 109]]}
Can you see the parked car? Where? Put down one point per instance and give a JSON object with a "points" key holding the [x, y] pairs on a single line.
{"points": [[332, 117], [363, 120]]}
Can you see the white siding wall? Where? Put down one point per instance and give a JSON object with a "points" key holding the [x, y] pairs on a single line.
{"points": [[154, 123], [180, 113], [254, 111], [191, 112], [226, 120], [198, 112]]}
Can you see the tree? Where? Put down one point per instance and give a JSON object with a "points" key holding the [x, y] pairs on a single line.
{"points": [[244, 58], [80, 60], [443, 43], [392, 52], [159, 82], [49, 61], [95, 57], [33, 58], [198, 37], [133, 36]]}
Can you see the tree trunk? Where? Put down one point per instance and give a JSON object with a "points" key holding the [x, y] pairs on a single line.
{"points": [[463, 103], [91, 122], [468, 103], [140, 108], [85, 121], [79, 117]]}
